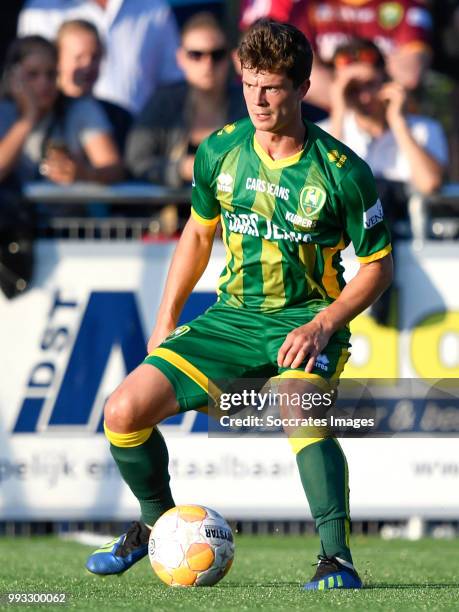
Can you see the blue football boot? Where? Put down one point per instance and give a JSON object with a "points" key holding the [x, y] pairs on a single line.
{"points": [[333, 573], [120, 554]]}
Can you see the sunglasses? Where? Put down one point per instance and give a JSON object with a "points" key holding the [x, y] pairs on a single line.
{"points": [[365, 56], [216, 55]]}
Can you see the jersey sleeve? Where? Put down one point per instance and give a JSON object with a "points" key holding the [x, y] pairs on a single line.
{"points": [[205, 208], [363, 214]]}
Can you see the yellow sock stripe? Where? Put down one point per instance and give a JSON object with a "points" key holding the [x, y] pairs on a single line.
{"points": [[322, 382], [188, 369], [297, 443], [347, 522], [128, 440]]}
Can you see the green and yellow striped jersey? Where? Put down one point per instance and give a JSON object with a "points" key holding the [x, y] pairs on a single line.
{"points": [[286, 221]]}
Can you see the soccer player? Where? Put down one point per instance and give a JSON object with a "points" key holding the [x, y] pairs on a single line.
{"points": [[289, 198]]}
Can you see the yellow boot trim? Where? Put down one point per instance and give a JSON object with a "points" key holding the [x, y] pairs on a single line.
{"points": [[127, 440]]}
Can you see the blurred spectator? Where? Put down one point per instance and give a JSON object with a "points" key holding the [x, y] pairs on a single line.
{"points": [[407, 153], [185, 9], [79, 55], [39, 132], [163, 142], [368, 114], [401, 30], [140, 38], [252, 10]]}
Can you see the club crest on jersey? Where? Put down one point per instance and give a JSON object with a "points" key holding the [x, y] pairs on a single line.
{"points": [[390, 14], [225, 182], [312, 200], [178, 331]]}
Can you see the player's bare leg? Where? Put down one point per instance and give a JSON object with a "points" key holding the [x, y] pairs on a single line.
{"points": [[132, 412]]}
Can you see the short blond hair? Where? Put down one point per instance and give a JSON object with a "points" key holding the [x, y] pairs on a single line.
{"points": [[77, 25]]}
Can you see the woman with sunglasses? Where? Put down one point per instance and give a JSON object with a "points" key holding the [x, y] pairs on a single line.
{"points": [[163, 142]]}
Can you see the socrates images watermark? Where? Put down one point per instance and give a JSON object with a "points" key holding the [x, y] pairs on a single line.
{"points": [[363, 407], [272, 411]]}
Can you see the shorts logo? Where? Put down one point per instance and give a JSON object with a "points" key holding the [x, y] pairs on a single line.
{"points": [[178, 331], [322, 362], [390, 14], [374, 215], [312, 200], [225, 182]]}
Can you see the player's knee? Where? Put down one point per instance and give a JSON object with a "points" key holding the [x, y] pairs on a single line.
{"points": [[120, 412]]}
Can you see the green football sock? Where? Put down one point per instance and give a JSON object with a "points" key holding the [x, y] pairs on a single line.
{"points": [[324, 475], [145, 469]]}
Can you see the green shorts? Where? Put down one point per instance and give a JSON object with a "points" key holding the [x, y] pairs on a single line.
{"points": [[232, 343]]}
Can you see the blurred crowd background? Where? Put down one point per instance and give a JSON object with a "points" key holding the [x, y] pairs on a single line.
{"points": [[115, 91]]}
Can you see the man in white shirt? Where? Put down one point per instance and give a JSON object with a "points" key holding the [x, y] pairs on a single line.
{"points": [[140, 38], [405, 152], [369, 115]]}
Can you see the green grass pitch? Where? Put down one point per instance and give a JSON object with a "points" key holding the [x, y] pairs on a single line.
{"points": [[267, 575]]}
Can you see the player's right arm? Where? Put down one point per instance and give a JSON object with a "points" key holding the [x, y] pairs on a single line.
{"points": [[193, 250], [188, 264]]}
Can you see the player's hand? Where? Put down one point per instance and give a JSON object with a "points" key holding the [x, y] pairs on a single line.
{"points": [[394, 96], [305, 342]]}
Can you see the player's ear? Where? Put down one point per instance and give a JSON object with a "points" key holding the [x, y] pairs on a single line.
{"points": [[304, 88]]}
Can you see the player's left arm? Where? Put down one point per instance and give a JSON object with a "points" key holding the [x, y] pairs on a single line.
{"points": [[364, 223], [309, 340]]}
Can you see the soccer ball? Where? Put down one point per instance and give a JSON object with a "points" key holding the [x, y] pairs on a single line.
{"points": [[191, 546]]}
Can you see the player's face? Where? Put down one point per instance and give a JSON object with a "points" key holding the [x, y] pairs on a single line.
{"points": [[273, 103]]}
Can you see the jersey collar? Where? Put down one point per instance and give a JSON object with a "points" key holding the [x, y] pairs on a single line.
{"points": [[275, 164]]}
